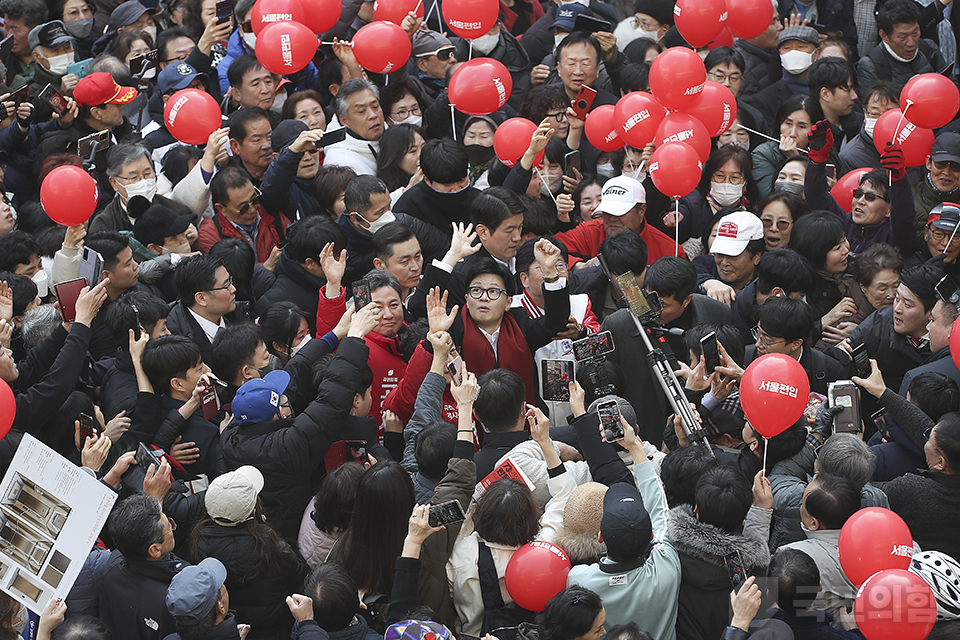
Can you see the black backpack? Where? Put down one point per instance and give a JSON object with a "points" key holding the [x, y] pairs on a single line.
{"points": [[505, 621]]}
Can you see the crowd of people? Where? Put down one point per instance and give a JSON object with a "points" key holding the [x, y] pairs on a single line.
{"points": [[344, 308]]}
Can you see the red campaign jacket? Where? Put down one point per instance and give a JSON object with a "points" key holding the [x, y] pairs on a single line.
{"points": [[402, 399], [585, 238], [270, 233], [508, 16], [329, 311]]}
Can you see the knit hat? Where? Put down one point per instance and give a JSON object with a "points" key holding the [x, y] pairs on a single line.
{"points": [[584, 508], [659, 10]]}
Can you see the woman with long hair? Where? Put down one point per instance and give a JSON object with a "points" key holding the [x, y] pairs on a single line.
{"points": [[820, 238], [575, 613], [398, 162], [792, 124], [328, 515]]}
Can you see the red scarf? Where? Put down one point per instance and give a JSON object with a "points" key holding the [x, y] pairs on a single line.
{"points": [[512, 349]]}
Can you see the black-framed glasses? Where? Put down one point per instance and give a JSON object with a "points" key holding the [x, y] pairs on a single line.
{"points": [[560, 116], [224, 287], [782, 225], [403, 114], [870, 196], [939, 235], [493, 293]]}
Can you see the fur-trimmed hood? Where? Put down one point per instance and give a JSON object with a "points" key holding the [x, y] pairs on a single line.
{"points": [[709, 544]]}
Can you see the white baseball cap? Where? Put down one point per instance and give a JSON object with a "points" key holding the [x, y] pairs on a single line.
{"points": [[735, 232], [231, 498], [621, 194]]}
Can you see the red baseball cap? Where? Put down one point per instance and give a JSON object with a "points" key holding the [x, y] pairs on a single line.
{"points": [[100, 88]]}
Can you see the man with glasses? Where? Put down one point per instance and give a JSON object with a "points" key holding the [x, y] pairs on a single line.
{"points": [[240, 215], [784, 327], [833, 82], [727, 66], [131, 172], [880, 213], [940, 184], [940, 237], [207, 295], [434, 54]]}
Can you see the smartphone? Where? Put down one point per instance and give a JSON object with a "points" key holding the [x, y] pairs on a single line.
{"points": [[357, 450], [639, 305], [735, 570], [91, 266], [67, 294], [146, 457], [455, 368], [89, 427], [585, 97], [591, 24], [594, 346], [224, 10], [20, 95], [844, 393], [556, 376], [947, 290], [880, 421], [332, 137], [571, 161], [361, 295], [143, 62], [446, 513], [711, 352], [861, 361], [54, 98], [6, 45], [85, 145], [832, 171], [212, 399], [79, 69], [611, 429]]}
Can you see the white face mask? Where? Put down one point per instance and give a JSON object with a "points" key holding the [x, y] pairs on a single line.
{"points": [[385, 219], [725, 194], [59, 64], [152, 30], [557, 39], [414, 120], [796, 62], [868, 125], [40, 279], [605, 169], [182, 249], [250, 39], [551, 184], [146, 188], [486, 43], [297, 347], [637, 174]]}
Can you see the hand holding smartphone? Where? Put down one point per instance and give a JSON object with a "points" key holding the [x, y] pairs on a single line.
{"points": [[67, 294], [611, 429], [711, 352], [446, 513]]}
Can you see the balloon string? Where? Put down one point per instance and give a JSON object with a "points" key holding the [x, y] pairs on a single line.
{"points": [[763, 135], [765, 443], [676, 247], [542, 181], [952, 235], [453, 123], [470, 55], [349, 43]]}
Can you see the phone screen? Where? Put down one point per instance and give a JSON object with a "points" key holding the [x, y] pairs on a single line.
{"points": [[146, 457], [361, 295], [861, 360], [592, 346], [711, 353], [446, 513], [557, 376], [735, 570], [611, 429]]}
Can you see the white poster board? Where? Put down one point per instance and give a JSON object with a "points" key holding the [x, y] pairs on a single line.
{"points": [[51, 513]]}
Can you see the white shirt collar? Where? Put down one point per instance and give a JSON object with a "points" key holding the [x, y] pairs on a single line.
{"points": [[209, 328]]}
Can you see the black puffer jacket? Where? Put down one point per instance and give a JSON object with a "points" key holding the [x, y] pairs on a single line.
{"points": [[257, 597]]}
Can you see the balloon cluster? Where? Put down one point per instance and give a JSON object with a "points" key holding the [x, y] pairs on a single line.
{"points": [[927, 102]]}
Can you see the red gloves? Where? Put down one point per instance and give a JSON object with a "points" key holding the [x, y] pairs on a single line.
{"points": [[892, 160], [820, 142]]}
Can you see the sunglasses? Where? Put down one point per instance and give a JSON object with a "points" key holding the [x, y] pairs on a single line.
{"points": [[868, 195], [442, 54]]}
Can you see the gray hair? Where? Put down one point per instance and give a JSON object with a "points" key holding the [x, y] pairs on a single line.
{"points": [[847, 456], [38, 323], [109, 64], [123, 154], [349, 88]]}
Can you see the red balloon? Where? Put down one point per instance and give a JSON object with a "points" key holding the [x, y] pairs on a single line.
{"points": [[512, 139], [749, 18], [601, 128], [716, 108], [933, 100], [8, 408], [677, 77], [699, 21], [470, 18], [895, 605], [322, 15], [68, 195], [843, 190], [955, 342], [723, 39], [270, 11], [381, 47], [286, 47], [874, 539], [773, 393], [535, 573], [480, 86], [675, 169], [637, 117], [191, 115], [915, 141], [396, 10], [682, 127]]}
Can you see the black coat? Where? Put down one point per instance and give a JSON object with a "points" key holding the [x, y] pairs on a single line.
{"points": [[258, 599], [181, 322], [293, 284], [289, 453], [284, 192], [118, 389], [756, 76], [133, 599], [437, 209], [894, 352]]}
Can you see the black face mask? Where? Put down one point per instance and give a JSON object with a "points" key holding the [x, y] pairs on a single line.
{"points": [[789, 187], [478, 154]]}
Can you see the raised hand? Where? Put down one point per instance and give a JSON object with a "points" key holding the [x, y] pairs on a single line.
{"points": [[437, 315]]}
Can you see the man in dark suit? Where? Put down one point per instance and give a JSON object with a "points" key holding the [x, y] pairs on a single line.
{"points": [[207, 295]]}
